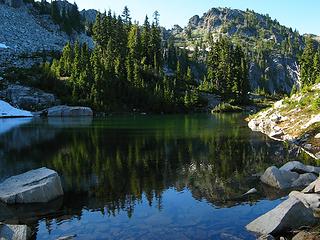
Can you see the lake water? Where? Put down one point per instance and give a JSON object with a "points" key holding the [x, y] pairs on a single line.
{"points": [[142, 177]]}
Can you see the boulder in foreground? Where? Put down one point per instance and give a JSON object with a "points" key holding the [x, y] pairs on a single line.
{"points": [[37, 186], [66, 111], [291, 214], [14, 232]]}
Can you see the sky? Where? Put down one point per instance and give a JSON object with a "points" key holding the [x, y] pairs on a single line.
{"points": [[302, 15]]}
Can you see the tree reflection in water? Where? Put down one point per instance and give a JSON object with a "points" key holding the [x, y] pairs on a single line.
{"points": [[109, 165]]}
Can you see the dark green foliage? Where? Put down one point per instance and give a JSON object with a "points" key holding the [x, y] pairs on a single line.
{"points": [[227, 71], [226, 107], [127, 69], [67, 16], [124, 70], [310, 64]]}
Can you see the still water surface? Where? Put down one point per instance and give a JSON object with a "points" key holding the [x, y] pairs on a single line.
{"points": [[142, 177]]}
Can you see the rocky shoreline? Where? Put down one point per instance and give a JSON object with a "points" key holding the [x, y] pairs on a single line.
{"points": [[294, 120], [300, 209]]}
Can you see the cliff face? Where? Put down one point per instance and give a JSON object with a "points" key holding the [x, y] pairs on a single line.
{"points": [[271, 47]]}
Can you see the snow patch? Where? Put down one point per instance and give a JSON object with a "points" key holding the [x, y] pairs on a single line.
{"points": [[2, 45], [7, 111]]}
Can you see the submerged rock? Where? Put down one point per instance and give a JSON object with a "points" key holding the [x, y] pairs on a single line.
{"points": [[291, 214], [14, 232], [66, 111], [36, 186]]}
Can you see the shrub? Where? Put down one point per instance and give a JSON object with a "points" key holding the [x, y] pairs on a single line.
{"points": [[226, 107]]}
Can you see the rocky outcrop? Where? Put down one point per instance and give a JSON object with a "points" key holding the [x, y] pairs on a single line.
{"points": [[291, 214], [278, 73], [14, 232], [28, 98], [67, 111], [291, 175], [294, 120], [36, 186], [89, 15], [300, 209]]}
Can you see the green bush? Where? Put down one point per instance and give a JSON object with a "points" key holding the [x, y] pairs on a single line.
{"points": [[226, 107], [316, 104]]}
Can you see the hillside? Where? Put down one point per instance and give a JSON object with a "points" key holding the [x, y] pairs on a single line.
{"points": [[186, 74], [295, 119], [27, 36], [271, 47]]}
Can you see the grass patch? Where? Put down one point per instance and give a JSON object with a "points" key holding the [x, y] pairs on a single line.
{"points": [[226, 108]]}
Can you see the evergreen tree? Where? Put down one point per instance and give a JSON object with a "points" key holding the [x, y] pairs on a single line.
{"points": [[126, 16], [55, 12], [66, 61], [307, 63]]}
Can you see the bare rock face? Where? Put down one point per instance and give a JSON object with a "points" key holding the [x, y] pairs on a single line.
{"points": [[36, 186], [291, 214], [14, 232], [66, 111], [28, 98]]}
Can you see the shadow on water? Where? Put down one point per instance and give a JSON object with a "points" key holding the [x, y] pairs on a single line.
{"points": [[130, 172]]}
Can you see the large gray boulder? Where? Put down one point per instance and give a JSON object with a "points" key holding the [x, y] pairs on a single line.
{"points": [[14, 232], [37, 186], [282, 179], [299, 167], [291, 214], [278, 179], [66, 111]]}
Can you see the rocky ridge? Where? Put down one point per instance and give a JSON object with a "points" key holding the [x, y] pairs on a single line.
{"points": [[278, 73]]}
